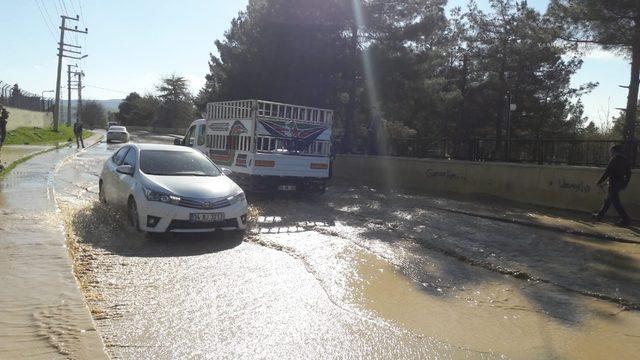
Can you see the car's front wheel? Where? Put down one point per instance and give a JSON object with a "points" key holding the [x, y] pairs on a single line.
{"points": [[134, 217], [101, 196]]}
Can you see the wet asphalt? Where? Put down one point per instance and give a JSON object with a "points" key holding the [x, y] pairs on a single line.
{"points": [[354, 273]]}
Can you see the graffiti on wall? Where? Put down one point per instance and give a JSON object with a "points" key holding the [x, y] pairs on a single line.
{"points": [[445, 174], [577, 187]]}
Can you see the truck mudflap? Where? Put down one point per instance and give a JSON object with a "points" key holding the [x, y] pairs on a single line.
{"points": [[270, 184]]}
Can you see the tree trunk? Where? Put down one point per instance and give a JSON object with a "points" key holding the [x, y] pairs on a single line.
{"points": [[463, 129], [350, 113], [501, 107], [629, 133]]}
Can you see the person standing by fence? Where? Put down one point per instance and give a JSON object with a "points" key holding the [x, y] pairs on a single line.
{"points": [[619, 174], [77, 131], [4, 117]]}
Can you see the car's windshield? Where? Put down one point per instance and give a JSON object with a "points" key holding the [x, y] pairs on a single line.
{"points": [[176, 163], [118, 128]]}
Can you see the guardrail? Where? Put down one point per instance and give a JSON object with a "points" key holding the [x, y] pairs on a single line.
{"points": [[23, 100]]}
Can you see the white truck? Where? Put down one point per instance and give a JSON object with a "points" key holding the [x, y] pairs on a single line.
{"points": [[267, 146]]}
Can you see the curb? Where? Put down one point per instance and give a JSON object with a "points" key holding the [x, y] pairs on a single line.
{"points": [[559, 228]]}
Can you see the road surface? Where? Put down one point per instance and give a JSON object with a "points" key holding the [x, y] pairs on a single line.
{"points": [[355, 273]]}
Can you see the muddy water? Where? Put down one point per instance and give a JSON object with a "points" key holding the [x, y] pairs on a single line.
{"points": [[353, 274], [42, 313], [495, 317], [11, 153], [474, 284]]}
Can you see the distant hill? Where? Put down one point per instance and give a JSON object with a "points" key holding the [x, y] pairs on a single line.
{"points": [[109, 105]]}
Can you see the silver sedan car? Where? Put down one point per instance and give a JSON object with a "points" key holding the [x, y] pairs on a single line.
{"points": [[175, 189], [117, 133]]}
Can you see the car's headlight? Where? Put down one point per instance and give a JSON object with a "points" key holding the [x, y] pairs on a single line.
{"points": [[239, 197], [152, 195]]}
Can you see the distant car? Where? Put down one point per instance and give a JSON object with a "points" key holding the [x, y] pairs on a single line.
{"points": [[166, 188], [117, 133], [110, 124]]}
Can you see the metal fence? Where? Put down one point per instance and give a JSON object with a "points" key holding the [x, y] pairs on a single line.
{"points": [[23, 100], [547, 151]]}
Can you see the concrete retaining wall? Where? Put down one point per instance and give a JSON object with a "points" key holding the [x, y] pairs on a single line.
{"points": [[27, 118], [564, 187]]}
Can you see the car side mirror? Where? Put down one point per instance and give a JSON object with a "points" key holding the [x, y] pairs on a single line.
{"points": [[177, 142], [226, 171], [125, 169]]}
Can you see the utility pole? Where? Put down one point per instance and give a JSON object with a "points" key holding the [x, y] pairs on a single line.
{"points": [[69, 93], [80, 75], [61, 54]]}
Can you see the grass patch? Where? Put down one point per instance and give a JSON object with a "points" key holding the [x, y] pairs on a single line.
{"points": [[38, 136]]}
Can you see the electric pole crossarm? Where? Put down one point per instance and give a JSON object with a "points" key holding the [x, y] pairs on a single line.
{"points": [[73, 52], [85, 31], [75, 58], [69, 45]]}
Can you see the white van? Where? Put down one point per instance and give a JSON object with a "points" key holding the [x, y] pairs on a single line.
{"points": [[268, 146]]}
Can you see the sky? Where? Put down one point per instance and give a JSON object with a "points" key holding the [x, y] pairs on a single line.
{"points": [[133, 43]]}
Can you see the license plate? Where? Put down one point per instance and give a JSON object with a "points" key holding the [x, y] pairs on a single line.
{"points": [[207, 218], [287, 188]]}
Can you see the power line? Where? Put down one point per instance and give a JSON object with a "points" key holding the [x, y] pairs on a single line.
{"points": [[45, 20], [81, 14], [84, 25], [107, 89], [63, 5], [73, 7], [47, 12], [58, 11], [48, 17]]}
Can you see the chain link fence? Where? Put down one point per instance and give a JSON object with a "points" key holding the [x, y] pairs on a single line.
{"points": [[13, 96]]}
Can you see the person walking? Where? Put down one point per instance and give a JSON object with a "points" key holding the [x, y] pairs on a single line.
{"points": [[4, 117], [618, 173], [77, 131]]}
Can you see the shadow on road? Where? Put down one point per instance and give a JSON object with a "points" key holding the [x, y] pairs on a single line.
{"points": [[579, 267], [453, 251], [290, 213]]}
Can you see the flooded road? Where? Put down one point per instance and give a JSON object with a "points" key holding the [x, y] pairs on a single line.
{"points": [[42, 313], [11, 153], [352, 274]]}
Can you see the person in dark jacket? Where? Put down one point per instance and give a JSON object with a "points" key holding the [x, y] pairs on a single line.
{"points": [[4, 116], [77, 131], [618, 173]]}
